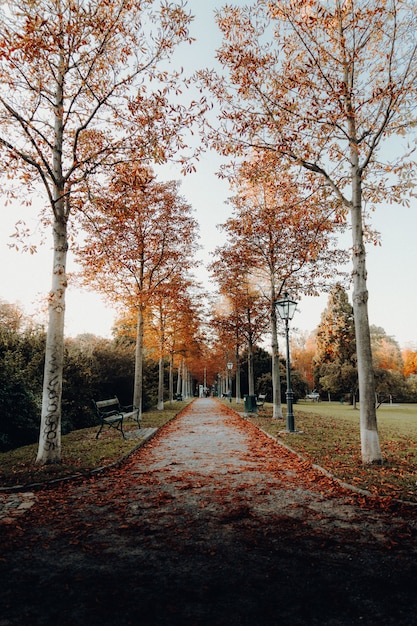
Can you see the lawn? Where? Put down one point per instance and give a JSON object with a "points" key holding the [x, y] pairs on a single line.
{"points": [[81, 452], [329, 436]]}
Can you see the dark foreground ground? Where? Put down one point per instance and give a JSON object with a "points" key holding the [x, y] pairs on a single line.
{"points": [[211, 523]]}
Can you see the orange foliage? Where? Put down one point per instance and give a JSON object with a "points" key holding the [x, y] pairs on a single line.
{"points": [[410, 361]]}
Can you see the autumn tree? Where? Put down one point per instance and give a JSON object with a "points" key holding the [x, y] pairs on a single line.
{"points": [[227, 324], [386, 351], [324, 85], [303, 349], [175, 327], [80, 83], [243, 318], [335, 368], [282, 232], [388, 365], [139, 234], [410, 361]]}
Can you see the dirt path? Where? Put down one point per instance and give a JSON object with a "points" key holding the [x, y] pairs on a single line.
{"points": [[214, 523]]}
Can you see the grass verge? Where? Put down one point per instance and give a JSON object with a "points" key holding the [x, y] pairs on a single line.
{"points": [[329, 436], [81, 452]]}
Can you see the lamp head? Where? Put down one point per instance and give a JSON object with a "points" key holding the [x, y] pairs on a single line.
{"points": [[286, 307]]}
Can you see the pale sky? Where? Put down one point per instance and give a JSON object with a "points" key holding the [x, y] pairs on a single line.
{"points": [[392, 267]]}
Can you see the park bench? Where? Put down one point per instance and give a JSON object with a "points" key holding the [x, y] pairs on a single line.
{"points": [[260, 401], [313, 397], [111, 413]]}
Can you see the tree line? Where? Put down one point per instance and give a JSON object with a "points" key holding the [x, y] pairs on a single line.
{"points": [[94, 367], [307, 95]]}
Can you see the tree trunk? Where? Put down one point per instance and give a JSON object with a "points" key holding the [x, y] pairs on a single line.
{"points": [[238, 391], [371, 452], [251, 375], [184, 381], [160, 405], [276, 380], [171, 378], [179, 378], [138, 382], [49, 449]]}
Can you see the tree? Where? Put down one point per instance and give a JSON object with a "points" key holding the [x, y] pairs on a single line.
{"points": [[324, 85], [388, 365], [75, 98], [335, 369], [243, 317], [140, 235], [174, 326], [303, 349], [410, 361], [386, 352], [282, 232]]}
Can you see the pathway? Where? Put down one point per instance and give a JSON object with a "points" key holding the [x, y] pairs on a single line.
{"points": [[210, 523]]}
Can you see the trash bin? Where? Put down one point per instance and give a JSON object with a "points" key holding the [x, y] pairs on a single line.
{"points": [[250, 404]]}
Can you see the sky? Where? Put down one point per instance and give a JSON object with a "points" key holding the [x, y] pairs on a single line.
{"points": [[392, 267]]}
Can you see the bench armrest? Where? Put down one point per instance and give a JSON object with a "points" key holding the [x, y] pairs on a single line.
{"points": [[128, 407], [110, 413]]}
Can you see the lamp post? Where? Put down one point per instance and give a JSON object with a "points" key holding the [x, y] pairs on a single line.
{"points": [[286, 309], [230, 367]]}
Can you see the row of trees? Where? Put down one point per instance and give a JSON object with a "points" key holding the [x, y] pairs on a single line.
{"points": [[321, 86], [307, 94], [87, 94], [93, 368]]}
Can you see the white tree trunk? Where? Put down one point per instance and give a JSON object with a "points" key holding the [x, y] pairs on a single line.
{"points": [[276, 380], [49, 449], [238, 391], [138, 383], [251, 375], [371, 452], [171, 378], [160, 405], [179, 382]]}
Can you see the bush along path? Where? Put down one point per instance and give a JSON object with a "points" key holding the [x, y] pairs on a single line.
{"points": [[211, 522]]}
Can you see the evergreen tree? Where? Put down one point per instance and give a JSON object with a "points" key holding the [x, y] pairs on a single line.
{"points": [[335, 369]]}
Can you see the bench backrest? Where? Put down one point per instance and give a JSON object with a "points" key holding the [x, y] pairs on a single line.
{"points": [[101, 404], [261, 397]]}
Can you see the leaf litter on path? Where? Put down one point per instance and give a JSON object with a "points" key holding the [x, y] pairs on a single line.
{"points": [[211, 522]]}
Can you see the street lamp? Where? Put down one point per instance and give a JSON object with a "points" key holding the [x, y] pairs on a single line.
{"points": [[230, 367], [286, 309]]}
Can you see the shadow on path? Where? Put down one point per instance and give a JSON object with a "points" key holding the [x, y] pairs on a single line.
{"points": [[214, 523]]}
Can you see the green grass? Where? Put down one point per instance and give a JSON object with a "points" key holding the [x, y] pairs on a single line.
{"points": [[81, 452], [329, 435]]}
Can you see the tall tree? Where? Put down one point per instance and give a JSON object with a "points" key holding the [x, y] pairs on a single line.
{"points": [[335, 364], [282, 230], [243, 318], [323, 85], [75, 93], [410, 361], [175, 325], [303, 349], [141, 234], [386, 352]]}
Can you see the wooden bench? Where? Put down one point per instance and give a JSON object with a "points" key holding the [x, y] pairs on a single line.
{"points": [[260, 401], [111, 413]]}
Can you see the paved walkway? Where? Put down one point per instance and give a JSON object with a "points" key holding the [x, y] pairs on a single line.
{"points": [[211, 522]]}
